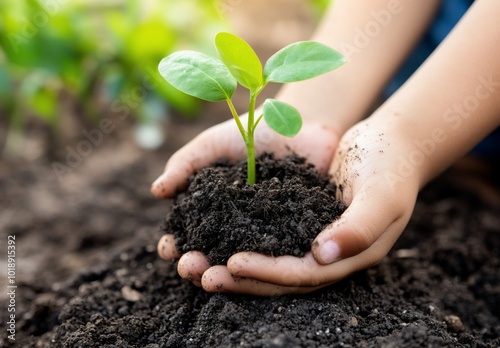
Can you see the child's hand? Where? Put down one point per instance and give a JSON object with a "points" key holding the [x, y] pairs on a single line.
{"points": [[380, 199]]}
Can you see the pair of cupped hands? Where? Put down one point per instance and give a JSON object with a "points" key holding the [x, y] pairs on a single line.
{"points": [[365, 162]]}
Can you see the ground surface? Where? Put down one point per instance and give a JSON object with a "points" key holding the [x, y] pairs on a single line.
{"points": [[88, 274]]}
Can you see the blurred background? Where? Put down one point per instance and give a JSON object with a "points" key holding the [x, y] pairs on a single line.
{"points": [[66, 64]]}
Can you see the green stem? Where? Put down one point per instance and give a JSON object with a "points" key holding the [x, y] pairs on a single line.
{"points": [[258, 120], [237, 119], [251, 177]]}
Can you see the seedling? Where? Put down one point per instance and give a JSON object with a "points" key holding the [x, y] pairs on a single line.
{"points": [[214, 80]]}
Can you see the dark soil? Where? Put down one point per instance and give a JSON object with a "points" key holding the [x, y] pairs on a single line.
{"points": [[438, 287], [221, 215]]}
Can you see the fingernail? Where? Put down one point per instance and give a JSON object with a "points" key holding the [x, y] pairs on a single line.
{"points": [[329, 252]]}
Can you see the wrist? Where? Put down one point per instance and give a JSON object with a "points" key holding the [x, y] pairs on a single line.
{"points": [[425, 148], [406, 149]]}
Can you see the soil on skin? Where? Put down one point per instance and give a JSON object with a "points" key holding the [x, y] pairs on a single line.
{"points": [[221, 215]]}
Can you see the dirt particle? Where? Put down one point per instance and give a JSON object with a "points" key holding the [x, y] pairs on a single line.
{"points": [[353, 322], [406, 253], [454, 323], [123, 311], [130, 294]]}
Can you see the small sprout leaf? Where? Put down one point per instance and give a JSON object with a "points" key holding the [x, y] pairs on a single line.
{"points": [[199, 75], [282, 117], [301, 61], [240, 59]]}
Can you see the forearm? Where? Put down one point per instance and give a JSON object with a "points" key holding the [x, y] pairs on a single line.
{"points": [[375, 36], [453, 100]]}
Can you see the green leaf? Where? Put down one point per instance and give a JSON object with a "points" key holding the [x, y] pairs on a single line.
{"points": [[301, 61], [282, 117], [198, 75], [241, 60]]}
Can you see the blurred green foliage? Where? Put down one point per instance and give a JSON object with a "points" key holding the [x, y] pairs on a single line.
{"points": [[82, 56], [81, 49], [321, 5]]}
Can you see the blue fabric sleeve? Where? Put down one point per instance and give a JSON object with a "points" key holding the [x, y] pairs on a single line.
{"points": [[447, 17]]}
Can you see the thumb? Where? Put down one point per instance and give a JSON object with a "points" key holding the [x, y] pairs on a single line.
{"points": [[373, 213]]}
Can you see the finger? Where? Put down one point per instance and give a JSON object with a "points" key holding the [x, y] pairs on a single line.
{"points": [[294, 273], [372, 213], [192, 265], [166, 248], [286, 271], [219, 279], [289, 271], [201, 152]]}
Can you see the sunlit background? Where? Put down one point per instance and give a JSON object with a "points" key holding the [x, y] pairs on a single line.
{"points": [[66, 63]]}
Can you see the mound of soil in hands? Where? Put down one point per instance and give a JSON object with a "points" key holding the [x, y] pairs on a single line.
{"points": [[221, 215]]}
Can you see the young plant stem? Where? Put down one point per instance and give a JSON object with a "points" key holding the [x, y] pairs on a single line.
{"points": [[237, 119], [248, 135], [250, 144]]}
